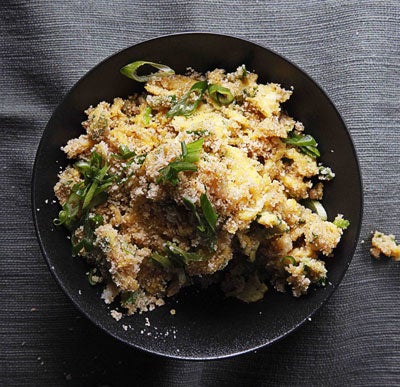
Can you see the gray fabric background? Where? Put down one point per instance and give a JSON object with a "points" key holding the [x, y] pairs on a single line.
{"points": [[351, 48]]}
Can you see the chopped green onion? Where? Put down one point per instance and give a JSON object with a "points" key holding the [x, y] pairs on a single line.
{"points": [[162, 260], [311, 151], [193, 150], [316, 206], [77, 247], [325, 173], [124, 153], [341, 223], [90, 222], [100, 198], [97, 220], [89, 195], [170, 172], [244, 72], [306, 143], [84, 196], [91, 273], [147, 116], [129, 156], [300, 140], [208, 211], [288, 260], [221, 95], [191, 206], [181, 256], [129, 297], [190, 155], [130, 70], [204, 132], [206, 221], [83, 167], [180, 166], [175, 257], [189, 101]]}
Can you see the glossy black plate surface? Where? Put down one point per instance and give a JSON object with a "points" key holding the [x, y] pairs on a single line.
{"points": [[205, 326]]}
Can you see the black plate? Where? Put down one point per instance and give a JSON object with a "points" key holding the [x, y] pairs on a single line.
{"points": [[205, 325]]}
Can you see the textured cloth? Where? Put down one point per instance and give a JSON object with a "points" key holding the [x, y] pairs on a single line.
{"points": [[351, 48]]}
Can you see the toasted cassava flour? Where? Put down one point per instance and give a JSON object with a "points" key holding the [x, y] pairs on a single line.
{"points": [[202, 178]]}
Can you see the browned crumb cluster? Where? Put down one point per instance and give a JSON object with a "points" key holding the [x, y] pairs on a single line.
{"points": [[253, 179]]}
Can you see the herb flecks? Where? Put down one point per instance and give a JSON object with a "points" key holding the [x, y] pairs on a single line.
{"points": [[305, 142], [185, 162]]}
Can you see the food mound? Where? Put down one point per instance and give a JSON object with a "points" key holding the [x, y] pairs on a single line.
{"points": [[201, 179]]}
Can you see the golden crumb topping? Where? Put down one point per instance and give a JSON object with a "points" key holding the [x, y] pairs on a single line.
{"points": [[202, 178]]}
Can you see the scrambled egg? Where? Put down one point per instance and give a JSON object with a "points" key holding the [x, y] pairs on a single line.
{"points": [[253, 179]]}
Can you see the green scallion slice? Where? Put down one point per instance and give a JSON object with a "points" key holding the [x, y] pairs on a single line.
{"points": [[206, 220], [183, 256], [162, 260], [317, 207], [219, 94], [130, 70], [189, 101], [306, 143], [300, 140], [288, 260], [147, 116], [91, 273], [185, 162], [193, 150], [208, 211]]}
